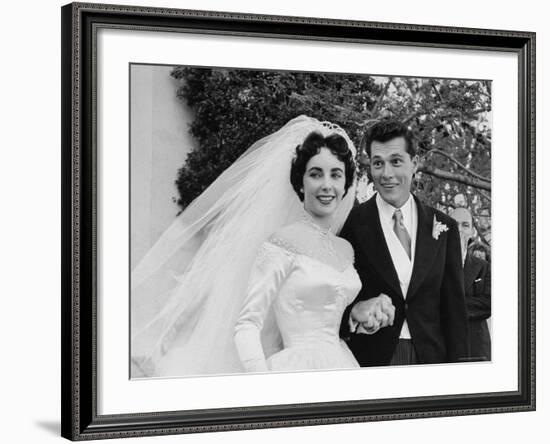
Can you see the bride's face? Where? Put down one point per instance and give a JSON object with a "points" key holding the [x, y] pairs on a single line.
{"points": [[324, 184]]}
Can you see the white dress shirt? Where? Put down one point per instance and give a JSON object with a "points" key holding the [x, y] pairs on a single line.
{"points": [[402, 263]]}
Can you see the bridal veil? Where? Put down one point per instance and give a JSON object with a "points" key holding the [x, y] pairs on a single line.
{"points": [[186, 293]]}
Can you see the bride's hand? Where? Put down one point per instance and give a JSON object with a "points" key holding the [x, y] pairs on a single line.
{"points": [[373, 314], [369, 327]]}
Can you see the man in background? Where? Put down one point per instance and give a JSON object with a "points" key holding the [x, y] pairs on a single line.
{"points": [[477, 286]]}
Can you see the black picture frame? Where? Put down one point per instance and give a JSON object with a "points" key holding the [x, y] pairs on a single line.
{"points": [[80, 419]]}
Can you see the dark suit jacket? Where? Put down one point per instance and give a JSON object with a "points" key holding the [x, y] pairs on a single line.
{"points": [[477, 284], [434, 306]]}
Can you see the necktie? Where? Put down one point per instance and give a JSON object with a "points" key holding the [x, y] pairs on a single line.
{"points": [[401, 232]]}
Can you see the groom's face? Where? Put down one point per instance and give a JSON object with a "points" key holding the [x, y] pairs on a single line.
{"points": [[392, 170]]}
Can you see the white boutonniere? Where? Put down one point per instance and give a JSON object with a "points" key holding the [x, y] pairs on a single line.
{"points": [[438, 228]]}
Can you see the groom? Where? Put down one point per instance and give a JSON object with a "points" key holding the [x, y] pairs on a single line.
{"points": [[411, 308]]}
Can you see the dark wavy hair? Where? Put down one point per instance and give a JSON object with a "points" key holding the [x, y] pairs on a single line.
{"points": [[311, 147], [385, 130]]}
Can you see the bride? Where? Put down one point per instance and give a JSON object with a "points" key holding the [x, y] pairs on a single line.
{"points": [[304, 272], [192, 310]]}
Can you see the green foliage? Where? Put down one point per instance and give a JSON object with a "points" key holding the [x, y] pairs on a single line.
{"points": [[450, 120], [234, 108]]}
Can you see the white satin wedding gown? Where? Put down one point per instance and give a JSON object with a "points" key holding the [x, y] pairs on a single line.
{"points": [[307, 297]]}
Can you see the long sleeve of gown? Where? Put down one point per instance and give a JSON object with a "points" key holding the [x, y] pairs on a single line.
{"points": [[270, 270]]}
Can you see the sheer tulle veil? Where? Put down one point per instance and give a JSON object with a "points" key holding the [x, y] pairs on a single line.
{"points": [[189, 288]]}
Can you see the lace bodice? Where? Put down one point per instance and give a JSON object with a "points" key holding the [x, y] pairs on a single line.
{"points": [[307, 297], [292, 249]]}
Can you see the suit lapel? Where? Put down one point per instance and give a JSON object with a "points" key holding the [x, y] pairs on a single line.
{"points": [[426, 247], [373, 244], [471, 269]]}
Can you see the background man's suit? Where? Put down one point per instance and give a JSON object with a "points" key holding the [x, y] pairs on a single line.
{"points": [[434, 306], [477, 285]]}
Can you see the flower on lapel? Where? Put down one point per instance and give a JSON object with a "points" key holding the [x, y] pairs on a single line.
{"points": [[438, 228]]}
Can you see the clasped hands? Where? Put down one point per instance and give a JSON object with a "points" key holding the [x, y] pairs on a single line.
{"points": [[373, 314]]}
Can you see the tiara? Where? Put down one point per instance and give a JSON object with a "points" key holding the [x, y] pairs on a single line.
{"points": [[333, 127]]}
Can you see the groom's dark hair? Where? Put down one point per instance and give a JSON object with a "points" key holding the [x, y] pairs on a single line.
{"points": [[385, 130], [312, 146]]}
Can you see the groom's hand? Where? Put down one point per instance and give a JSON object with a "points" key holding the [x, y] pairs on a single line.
{"points": [[387, 308], [373, 314]]}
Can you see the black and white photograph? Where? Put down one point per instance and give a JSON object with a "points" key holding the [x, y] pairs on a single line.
{"points": [[293, 221], [274, 221]]}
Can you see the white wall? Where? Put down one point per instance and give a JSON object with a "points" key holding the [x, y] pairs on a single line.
{"points": [[160, 141], [30, 223]]}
